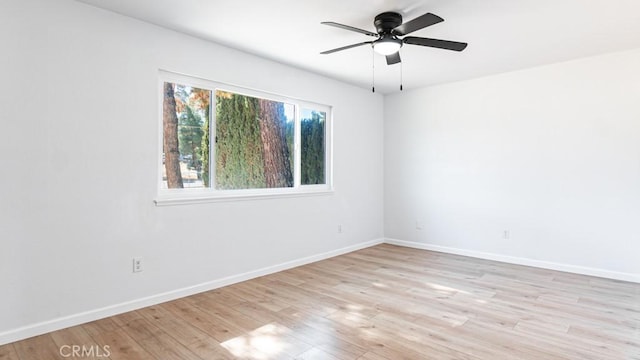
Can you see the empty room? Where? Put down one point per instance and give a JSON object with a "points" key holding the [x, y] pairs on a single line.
{"points": [[280, 179]]}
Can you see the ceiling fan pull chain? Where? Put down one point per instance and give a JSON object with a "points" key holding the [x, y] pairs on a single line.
{"points": [[400, 75], [373, 70]]}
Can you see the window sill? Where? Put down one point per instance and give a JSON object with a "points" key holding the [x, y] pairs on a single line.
{"points": [[181, 197]]}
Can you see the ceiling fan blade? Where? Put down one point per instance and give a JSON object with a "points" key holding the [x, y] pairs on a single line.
{"points": [[346, 47], [347, 27], [436, 43], [418, 23], [393, 58]]}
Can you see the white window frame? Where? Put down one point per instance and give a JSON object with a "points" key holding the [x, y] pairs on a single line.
{"points": [[204, 195]]}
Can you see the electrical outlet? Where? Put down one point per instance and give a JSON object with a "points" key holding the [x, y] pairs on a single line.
{"points": [[339, 229], [137, 264], [506, 234]]}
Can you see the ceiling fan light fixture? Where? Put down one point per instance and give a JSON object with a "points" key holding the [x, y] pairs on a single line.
{"points": [[387, 46]]}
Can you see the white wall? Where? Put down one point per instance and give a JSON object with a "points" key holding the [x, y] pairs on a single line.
{"points": [[551, 154], [78, 155]]}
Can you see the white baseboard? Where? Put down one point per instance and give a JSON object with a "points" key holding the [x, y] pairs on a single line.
{"points": [[87, 316], [519, 260]]}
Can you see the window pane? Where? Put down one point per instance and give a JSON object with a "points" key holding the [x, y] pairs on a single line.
{"points": [[254, 142], [185, 121], [312, 140]]}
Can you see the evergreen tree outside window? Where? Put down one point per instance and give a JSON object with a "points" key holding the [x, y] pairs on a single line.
{"points": [[219, 140], [312, 134]]}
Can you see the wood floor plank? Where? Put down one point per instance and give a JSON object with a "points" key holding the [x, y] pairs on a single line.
{"points": [[316, 354], [121, 345], [218, 328], [39, 347], [245, 322], [197, 341], [156, 342], [372, 356], [178, 328], [382, 302], [8, 352], [76, 340]]}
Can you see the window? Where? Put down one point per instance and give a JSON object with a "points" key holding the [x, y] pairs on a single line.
{"points": [[221, 141]]}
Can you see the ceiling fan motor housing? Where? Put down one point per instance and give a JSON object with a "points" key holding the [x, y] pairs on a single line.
{"points": [[387, 21]]}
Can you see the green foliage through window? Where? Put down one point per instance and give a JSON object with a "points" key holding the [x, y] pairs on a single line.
{"points": [[312, 132], [252, 149]]}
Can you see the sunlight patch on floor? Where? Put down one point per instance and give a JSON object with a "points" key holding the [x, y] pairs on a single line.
{"points": [[261, 343]]}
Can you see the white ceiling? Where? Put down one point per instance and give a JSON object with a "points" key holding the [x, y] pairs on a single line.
{"points": [[503, 35]]}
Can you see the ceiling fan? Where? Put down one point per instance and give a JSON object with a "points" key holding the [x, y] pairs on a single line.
{"points": [[390, 27]]}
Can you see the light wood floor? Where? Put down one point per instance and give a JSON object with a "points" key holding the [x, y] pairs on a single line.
{"points": [[384, 302]]}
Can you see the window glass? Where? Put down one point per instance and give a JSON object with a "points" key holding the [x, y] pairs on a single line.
{"points": [[254, 142], [185, 125], [312, 152]]}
